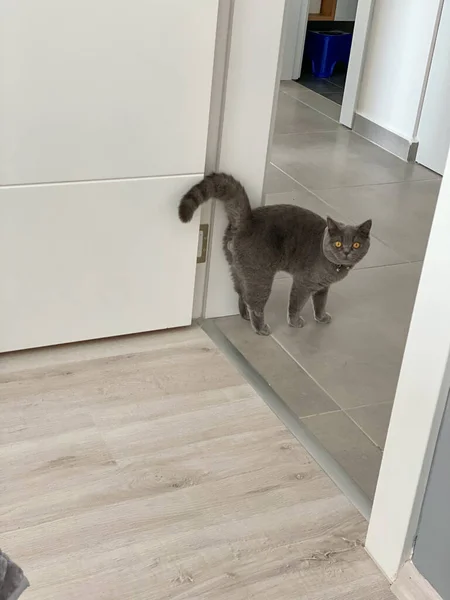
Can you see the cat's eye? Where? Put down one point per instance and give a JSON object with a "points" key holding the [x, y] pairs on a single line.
{"points": [[338, 244], [356, 245]]}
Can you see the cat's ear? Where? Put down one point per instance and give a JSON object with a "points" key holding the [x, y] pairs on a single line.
{"points": [[365, 227], [333, 226]]}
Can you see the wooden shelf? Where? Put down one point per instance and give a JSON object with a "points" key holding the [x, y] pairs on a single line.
{"points": [[319, 17], [327, 11]]}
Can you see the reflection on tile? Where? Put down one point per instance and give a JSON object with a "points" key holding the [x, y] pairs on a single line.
{"points": [[294, 116], [319, 85], [356, 359], [338, 159], [349, 446], [402, 212], [335, 97], [282, 373], [373, 420], [276, 181], [294, 89], [338, 79], [379, 254], [312, 99]]}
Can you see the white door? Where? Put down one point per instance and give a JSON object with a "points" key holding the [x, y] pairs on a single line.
{"points": [[434, 128], [104, 109], [295, 23]]}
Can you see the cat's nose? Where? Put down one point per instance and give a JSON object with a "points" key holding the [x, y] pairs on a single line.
{"points": [[346, 252]]}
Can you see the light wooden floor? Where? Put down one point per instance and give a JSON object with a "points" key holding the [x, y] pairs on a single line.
{"points": [[147, 469]]}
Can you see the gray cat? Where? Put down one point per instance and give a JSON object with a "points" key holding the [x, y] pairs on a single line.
{"points": [[258, 243]]}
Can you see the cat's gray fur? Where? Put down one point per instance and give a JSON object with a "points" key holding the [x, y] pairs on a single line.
{"points": [[258, 243]]}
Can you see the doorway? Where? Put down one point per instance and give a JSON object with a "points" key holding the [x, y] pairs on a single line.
{"points": [[339, 380], [316, 50]]}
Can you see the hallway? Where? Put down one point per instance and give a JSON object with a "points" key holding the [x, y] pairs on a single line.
{"points": [[340, 380]]}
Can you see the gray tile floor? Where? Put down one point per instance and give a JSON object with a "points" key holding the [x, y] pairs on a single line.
{"points": [[340, 379], [331, 87]]}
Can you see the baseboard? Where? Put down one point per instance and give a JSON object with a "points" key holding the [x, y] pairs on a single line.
{"points": [[390, 141], [411, 585]]}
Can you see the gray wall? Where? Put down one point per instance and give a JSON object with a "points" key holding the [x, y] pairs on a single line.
{"points": [[432, 552]]}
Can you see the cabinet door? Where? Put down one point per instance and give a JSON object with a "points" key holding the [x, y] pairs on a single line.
{"points": [[94, 260], [104, 111], [104, 89]]}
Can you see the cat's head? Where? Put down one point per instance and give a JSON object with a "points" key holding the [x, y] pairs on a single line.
{"points": [[346, 244]]}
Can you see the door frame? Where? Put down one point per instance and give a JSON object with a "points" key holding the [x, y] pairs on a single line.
{"points": [[419, 405], [246, 124], [363, 20], [253, 64], [294, 38], [248, 64], [361, 31]]}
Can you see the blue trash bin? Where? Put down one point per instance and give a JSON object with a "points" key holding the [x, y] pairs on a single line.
{"points": [[325, 49]]}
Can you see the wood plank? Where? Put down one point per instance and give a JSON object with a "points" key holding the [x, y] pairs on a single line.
{"points": [[161, 475], [319, 17], [327, 11]]}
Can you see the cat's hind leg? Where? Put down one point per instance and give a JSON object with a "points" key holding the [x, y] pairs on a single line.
{"points": [[243, 310], [319, 304], [256, 293], [238, 288]]}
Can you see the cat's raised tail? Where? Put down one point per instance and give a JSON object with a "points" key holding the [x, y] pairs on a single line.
{"points": [[221, 187]]}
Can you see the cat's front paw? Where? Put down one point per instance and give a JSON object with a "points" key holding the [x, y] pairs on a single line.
{"points": [[324, 319], [297, 322], [264, 330]]}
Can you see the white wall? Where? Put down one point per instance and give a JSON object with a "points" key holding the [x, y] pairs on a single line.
{"points": [[314, 6], [346, 10], [397, 63]]}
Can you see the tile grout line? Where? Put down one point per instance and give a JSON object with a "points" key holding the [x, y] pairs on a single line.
{"points": [[370, 142], [312, 107], [288, 353], [337, 121], [341, 409], [361, 429], [324, 459], [306, 132], [320, 386], [343, 187], [316, 195], [344, 412], [326, 203]]}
